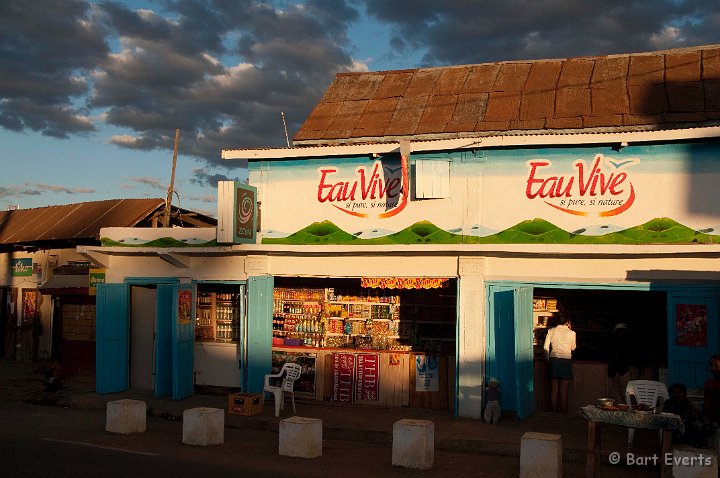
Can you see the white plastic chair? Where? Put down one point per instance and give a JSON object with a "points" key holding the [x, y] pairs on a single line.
{"points": [[291, 371], [646, 392]]}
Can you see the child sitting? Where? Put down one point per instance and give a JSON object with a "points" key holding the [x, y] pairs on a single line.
{"points": [[679, 404], [492, 399]]}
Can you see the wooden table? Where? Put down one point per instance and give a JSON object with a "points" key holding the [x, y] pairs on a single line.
{"points": [[665, 422]]}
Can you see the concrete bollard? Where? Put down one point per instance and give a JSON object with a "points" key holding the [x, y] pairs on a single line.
{"points": [[540, 455], [413, 444], [125, 416], [300, 437], [204, 426], [691, 462]]}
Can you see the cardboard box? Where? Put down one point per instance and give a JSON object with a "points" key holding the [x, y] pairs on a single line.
{"points": [[246, 404]]}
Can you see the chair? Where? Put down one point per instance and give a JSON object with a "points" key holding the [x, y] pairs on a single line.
{"points": [[646, 392], [291, 371]]}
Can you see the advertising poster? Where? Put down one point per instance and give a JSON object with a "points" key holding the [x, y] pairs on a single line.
{"points": [[367, 373], [184, 306], [29, 300], [343, 370], [427, 378], [691, 325]]}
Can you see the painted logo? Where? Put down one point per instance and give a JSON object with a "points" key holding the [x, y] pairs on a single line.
{"points": [[379, 191], [602, 188]]}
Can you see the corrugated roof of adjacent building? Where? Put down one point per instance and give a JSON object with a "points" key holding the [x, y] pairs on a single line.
{"points": [[80, 222], [629, 92]]}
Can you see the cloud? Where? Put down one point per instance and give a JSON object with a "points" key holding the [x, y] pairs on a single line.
{"points": [[155, 183], [479, 31], [222, 72], [37, 189]]}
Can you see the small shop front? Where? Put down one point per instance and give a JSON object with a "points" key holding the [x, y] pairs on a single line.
{"points": [[673, 330], [371, 341]]}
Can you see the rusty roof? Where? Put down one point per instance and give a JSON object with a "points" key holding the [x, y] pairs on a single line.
{"points": [[81, 222], [666, 89]]}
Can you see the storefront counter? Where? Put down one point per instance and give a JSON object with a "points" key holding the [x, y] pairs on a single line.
{"points": [[386, 378]]}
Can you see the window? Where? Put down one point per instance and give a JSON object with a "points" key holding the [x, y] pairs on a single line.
{"points": [[432, 179]]}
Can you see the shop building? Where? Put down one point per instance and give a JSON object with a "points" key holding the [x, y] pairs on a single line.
{"points": [[428, 225]]}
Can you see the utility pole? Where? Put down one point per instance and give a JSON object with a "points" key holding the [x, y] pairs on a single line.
{"points": [[171, 188]]}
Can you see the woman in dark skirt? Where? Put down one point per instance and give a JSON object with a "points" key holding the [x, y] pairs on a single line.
{"points": [[559, 345]]}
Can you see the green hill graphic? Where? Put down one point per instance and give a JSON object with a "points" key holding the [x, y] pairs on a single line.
{"points": [[536, 231]]}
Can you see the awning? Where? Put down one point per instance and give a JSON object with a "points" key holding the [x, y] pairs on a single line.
{"points": [[404, 282], [66, 284]]}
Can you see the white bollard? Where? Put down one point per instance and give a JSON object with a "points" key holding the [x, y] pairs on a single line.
{"points": [[413, 444], [125, 416], [688, 462], [540, 455], [301, 437], [204, 426]]}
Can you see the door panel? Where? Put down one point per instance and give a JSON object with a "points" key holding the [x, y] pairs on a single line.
{"points": [[524, 354], [183, 341], [111, 366], [259, 332], [688, 354], [164, 339]]}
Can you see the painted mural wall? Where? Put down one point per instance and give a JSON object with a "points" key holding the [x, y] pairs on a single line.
{"points": [[644, 194]]}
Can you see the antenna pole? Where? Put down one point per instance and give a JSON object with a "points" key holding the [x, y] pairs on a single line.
{"points": [[171, 188], [282, 113]]}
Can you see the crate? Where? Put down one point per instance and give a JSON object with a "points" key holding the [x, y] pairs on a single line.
{"points": [[246, 404]]}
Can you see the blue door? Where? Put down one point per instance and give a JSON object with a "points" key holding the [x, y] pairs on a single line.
{"points": [[509, 346], [111, 341], [258, 353], [692, 335], [183, 338], [524, 353], [164, 339]]}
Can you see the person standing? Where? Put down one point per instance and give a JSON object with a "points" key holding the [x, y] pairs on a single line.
{"points": [[622, 364], [559, 345], [492, 398]]}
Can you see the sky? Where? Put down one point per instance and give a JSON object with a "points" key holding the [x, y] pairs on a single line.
{"points": [[91, 93]]}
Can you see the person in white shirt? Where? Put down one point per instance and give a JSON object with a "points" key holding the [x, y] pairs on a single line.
{"points": [[559, 345]]}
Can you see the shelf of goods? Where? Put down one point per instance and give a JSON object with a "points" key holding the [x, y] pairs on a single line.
{"points": [[217, 317], [318, 318]]}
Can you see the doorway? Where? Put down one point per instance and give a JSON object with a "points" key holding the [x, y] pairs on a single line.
{"points": [[143, 301]]}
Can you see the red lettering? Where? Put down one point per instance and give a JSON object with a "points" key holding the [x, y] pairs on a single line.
{"points": [[322, 186], [531, 178]]}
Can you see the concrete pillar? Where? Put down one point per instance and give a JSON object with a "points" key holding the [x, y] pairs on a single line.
{"points": [[691, 462], [540, 455], [301, 437], [204, 426], [125, 416], [413, 444]]}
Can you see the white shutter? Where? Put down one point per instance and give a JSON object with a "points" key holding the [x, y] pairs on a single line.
{"points": [[432, 178]]}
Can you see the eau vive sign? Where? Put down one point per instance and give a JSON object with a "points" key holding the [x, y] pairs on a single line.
{"points": [[378, 192], [604, 188]]}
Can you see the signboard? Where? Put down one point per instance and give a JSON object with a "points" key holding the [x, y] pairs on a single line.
{"points": [[427, 378], [366, 377], [95, 277], [22, 267], [553, 195], [245, 214], [343, 371]]}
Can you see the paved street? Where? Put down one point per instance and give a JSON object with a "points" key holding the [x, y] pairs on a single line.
{"points": [[52, 441]]}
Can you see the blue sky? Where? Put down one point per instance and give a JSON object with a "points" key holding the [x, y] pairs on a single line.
{"points": [[91, 93]]}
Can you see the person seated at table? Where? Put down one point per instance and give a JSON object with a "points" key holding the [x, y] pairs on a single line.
{"points": [[679, 404], [711, 394]]}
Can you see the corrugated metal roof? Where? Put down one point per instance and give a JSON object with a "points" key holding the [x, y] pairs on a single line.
{"points": [[665, 89], [74, 222]]}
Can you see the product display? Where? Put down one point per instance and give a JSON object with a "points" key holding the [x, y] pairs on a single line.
{"points": [[320, 318], [217, 316]]}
